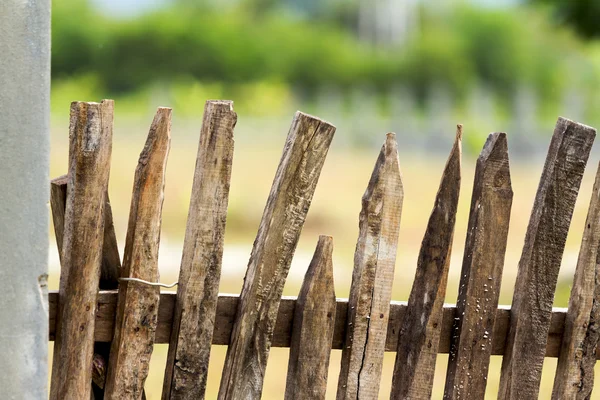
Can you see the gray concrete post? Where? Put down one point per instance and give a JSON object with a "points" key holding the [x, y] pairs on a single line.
{"points": [[24, 192]]}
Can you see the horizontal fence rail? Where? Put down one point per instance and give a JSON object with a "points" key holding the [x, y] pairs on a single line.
{"points": [[227, 307]]}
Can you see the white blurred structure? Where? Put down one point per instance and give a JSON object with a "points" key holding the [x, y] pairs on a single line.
{"points": [[387, 22]]}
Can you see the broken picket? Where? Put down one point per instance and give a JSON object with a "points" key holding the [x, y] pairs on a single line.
{"points": [[189, 351]]}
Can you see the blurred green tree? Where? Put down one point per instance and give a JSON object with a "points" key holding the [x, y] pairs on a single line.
{"points": [[583, 15]]}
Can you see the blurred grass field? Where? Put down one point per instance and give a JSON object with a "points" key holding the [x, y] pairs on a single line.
{"points": [[334, 211]]}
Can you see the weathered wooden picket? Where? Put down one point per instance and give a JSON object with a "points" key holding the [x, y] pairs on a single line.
{"points": [[106, 317]]}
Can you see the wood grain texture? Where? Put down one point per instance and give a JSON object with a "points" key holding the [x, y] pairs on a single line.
{"points": [[421, 327], [312, 332], [282, 334], [591, 344], [288, 203], [541, 258], [189, 351], [575, 371], [137, 307], [481, 275], [58, 203], [372, 278], [90, 144], [111, 260], [110, 269]]}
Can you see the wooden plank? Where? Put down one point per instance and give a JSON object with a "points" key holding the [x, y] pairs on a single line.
{"points": [[312, 332], [288, 203], [90, 136], [227, 308], [481, 276], [137, 306], [110, 269], [575, 370], [372, 278], [421, 327], [189, 351], [111, 260], [541, 258], [58, 202]]}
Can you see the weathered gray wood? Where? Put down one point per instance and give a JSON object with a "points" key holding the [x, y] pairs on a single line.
{"points": [[288, 203], [541, 258], [282, 334], [481, 276], [314, 318], [137, 307], [189, 351], [110, 269], [575, 371], [372, 278], [421, 327], [90, 136]]}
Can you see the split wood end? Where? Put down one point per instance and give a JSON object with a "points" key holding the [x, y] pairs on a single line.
{"points": [[308, 117]]}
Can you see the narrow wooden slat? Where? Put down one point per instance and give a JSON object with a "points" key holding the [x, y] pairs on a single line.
{"points": [[282, 333], [421, 327], [90, 136], [189, 351], [58, 202], [111, 260], [575, 370], [481, 276], [541, 258], [110, 269], [371, 288], [288, 203], [312, 331], [137, 307]]}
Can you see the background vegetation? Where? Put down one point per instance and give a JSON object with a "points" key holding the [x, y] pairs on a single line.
{"points": [[260, 49]]}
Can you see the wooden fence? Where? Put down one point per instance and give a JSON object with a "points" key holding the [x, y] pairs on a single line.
{"points": [[103, 337]]}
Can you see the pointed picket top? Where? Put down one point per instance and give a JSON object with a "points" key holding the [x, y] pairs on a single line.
{"points": [[541, 258], [137, 307], [420, 330], [372, 278], [575, 370], [314, 322], [483, 263]]}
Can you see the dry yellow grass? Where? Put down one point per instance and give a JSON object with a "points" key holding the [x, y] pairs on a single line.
{"points": [[334, 211]]}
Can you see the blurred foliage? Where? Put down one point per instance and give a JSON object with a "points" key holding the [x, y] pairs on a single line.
{"points": [[583, 15], [243, 47]]}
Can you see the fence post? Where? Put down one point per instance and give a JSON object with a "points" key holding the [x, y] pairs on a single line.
{"points": [[288, 203], [372, 277], [24, 150], [420, 330], [545, 240]]}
